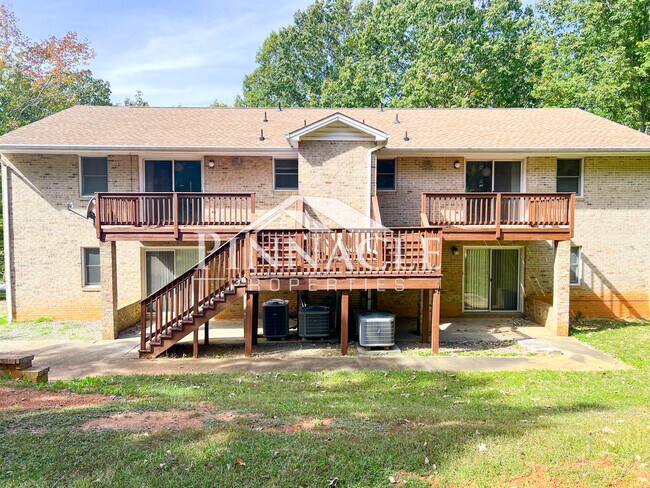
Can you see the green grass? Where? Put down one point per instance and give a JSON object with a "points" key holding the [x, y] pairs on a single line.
{"points": [[460, 429]]}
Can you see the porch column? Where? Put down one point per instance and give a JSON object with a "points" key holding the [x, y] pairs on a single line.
{"points": [[559, 323], [108, 294], [248, 324], [435, 321], [345, 303]]}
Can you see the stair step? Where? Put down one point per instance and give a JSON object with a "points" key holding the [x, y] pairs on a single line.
{"points": [[16, 361], [34, 374]]}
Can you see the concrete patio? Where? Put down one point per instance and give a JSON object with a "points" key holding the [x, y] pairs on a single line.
{"points": [[69, 358]]}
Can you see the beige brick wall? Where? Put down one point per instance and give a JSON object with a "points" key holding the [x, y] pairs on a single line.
{"points": [[337, 170], [244, 174], [611, 223], [47, 238], [414, 176]]}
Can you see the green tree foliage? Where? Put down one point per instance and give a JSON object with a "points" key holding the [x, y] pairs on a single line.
{"points": [[593, 54], [137, 100], [597, 56], [39, 78], [414, 53]]}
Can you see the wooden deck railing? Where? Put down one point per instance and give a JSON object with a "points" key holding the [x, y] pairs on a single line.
{"points": [[342, 252], [167, 212], [499, 209]]}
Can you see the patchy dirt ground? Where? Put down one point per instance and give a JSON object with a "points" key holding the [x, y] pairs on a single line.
{"points": [[30, 399], [177, 419], [46, 329]]}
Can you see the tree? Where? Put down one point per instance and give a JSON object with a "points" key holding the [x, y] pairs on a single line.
{"points": [[597, 56], [216, 103], [413, 53], [138, 100], [294, 62], [38, 78]]}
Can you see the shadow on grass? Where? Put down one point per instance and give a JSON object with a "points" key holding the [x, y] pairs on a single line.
{"points": [[384, 423]]}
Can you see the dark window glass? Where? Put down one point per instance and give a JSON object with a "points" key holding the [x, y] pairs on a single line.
{"points": [[568, 176], [385, 174], [286, 174], [91, 266], [479, 176], [507, 176], [158, 176], [94, 175]]}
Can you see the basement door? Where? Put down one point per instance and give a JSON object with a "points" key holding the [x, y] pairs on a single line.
{"points": [[163, 266], [491, 280]]}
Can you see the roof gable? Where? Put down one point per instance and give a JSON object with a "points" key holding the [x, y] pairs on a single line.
{"points": [[337, 127]]}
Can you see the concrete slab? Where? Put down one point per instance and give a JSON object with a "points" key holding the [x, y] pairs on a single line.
{"points": [[538, 346], [370, 351]]}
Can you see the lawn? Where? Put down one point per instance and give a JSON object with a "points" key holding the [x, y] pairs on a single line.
{"points": [[340, 428]]}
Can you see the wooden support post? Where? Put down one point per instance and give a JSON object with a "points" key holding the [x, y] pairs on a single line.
{"points": [[248, 325], [435, 321], [206, 334], [195, 346], [345, 295], [426, 315], [256, 314]]}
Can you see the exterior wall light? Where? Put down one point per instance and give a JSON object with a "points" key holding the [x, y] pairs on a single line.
{"points": [[454, 250], [211, 163], [457, 164]]}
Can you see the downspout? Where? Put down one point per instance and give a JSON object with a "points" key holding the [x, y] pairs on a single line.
{"points": [[7, 245], [372, 150]]}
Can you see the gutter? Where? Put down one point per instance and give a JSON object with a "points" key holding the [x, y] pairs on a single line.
{"points": [[7, 244], [59, 149]]}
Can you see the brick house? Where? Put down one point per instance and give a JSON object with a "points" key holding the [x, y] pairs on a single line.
{"points": [[470, 212]]}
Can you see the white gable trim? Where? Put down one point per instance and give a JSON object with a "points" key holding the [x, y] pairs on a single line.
{"points": [[345, 128]]}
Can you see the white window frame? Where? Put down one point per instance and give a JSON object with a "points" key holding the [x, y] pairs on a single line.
{"points": [[275, 188], [520, 281], [581, 179], [81, 176], [394, 189], [522, 175], [173, 158], [84, 284], [579, 273]]}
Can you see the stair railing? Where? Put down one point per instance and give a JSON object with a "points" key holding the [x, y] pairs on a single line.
{"points": [[180, 300]]}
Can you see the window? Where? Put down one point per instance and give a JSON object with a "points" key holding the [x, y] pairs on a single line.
{"points": [[488, 176], [286, 174], [90, 265], [386, 175], [94, 176], [569, 175], [576, 265]]}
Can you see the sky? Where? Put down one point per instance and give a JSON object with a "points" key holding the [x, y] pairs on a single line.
{"points": [[184, 52]]}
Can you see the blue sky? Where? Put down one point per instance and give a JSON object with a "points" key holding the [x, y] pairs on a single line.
{"points": [[177, 52]]}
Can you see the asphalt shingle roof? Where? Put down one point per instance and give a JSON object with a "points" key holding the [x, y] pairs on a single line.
{"points": [[88, 127]]}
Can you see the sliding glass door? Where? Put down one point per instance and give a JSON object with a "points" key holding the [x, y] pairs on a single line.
{"points": [[173, 175], [163, 266], [491, 280]]}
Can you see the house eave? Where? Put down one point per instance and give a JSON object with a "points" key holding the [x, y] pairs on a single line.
{"points": [[125, 149]]}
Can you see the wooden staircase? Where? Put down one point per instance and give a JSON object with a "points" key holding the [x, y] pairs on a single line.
{"points": [[193, 298]]}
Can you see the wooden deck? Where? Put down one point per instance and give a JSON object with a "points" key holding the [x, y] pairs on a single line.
{"points": [[171, 216], [500, 216], [338, 260]]}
